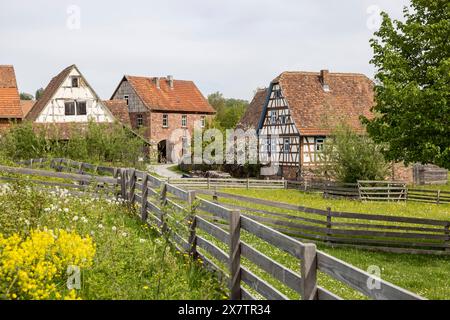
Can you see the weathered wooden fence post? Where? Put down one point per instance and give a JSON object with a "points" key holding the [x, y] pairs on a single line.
{"points": [[192, 225], [123, 183], [447, 233], [132, 184], [144, 193], [235, 255], [208, 182], [309, 272], [163, 198], [438, 196], [329, 225]]}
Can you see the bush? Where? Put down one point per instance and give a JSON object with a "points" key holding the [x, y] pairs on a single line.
{"points": [[348, 157], [94, 142]]}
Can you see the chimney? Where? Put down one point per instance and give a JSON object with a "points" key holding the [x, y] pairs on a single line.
{"points": [[324, 79], [156, 82], [170, 81]]}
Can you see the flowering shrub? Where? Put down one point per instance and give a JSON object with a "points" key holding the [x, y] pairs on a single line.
{"points": [[35, 267]]}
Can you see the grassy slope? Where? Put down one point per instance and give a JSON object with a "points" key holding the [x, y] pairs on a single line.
{"points": [[131, 262], [426, 275]]}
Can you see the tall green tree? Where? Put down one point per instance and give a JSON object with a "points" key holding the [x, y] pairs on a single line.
{"points": [[229, 111], [39, 93], [25, 96], [412, 109]]}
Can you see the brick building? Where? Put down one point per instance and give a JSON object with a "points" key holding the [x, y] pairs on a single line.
{"points": [[163, 107]]}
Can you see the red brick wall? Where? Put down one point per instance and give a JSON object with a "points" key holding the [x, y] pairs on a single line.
{"points": [[400, 172], [158, 133]]}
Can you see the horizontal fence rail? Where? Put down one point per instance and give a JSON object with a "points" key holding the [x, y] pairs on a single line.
{"points": [[363, 190], [217, 235], [372, 231]]}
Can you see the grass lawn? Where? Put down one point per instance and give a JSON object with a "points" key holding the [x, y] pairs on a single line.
{"points": [[426, 275], [131, 260], [315, 200]]}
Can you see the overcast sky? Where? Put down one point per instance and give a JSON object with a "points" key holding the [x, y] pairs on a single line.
{"points": [[231, 46]]}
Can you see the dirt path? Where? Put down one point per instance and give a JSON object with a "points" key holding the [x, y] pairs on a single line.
{"points": [[162, 170]]}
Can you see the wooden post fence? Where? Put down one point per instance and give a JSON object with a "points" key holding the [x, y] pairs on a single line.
{"points": [[309, 272], [447, 232], [123, 184], [328, 224], [144, 191], [131, 184], [235, 255], [163, 198], [192, 226]]}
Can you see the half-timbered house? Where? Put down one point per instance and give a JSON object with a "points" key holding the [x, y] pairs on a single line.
{"points": [[298, 110], [69, 98]]}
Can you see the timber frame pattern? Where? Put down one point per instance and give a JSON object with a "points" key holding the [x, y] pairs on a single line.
{"points": [[277, 129]]}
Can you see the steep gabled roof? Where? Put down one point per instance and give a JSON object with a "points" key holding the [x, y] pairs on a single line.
{"points": [[119, 109], [48, 93], [26, 106], [184, 96], [9, 94], [252, 116], [316, 110]]}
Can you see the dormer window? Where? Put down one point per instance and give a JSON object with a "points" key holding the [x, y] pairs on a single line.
{"points": [[75, 82]]}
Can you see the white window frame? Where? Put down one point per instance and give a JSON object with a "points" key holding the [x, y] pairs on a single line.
{"points": [[286, 142], [165, 118], [140, 120], [318, 145], [184, 121], [78, 81], [203, 121]]}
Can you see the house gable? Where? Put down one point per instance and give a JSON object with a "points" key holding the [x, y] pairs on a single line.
{"points": [[277, 129], [62, 89]]}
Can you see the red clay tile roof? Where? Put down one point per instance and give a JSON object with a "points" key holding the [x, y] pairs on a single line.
{"points": [[251, 117], [9, 95], [183, 97], [119, 109], [26, 106], [48, 93], [316, 111]]}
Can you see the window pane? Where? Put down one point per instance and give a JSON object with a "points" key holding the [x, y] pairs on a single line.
{"points": [[75, 82], [81, 107], [69, 108], [140, 120]]}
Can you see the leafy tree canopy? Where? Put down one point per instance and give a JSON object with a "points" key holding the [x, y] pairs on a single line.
{"points": [[229, 111], [26, 96], [39, 93], [412, 110]]}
